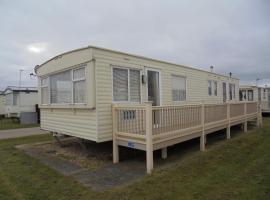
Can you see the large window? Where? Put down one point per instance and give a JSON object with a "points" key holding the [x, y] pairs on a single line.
{"points": [[64, 88], [126, 85], [178, 88]]}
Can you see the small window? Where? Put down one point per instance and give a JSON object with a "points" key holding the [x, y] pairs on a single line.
{"points": [[79, 85], [134, 82], [215, 88], [209, 87], [44, 90], [126, 85], [178, 88]]}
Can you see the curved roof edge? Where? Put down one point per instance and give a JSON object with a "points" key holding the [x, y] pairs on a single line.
{"points": [[134, 55]]}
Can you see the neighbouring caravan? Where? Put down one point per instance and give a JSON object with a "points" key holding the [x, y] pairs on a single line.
{"points": [[265, 99], [2, 104], [19, 100], [77, 89], [249, 93], [256, 93]]}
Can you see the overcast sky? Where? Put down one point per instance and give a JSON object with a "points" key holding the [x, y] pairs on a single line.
{"points": [[231, 35]]}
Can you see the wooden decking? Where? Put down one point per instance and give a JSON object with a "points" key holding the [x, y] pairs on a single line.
{"points": [[150, 128]]}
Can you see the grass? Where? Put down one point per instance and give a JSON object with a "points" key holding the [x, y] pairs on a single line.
{"points": [[234, 169], [7, 123]]}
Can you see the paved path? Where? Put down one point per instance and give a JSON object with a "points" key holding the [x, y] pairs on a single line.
{"points": [[20, 132], [104, 178]]}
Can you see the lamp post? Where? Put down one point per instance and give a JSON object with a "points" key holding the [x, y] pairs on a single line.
{"points": [[20, 83]]}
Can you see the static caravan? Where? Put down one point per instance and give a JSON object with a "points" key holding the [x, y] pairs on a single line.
{"points": [[2, 104], [77, 89], [19, 100], [249, 93], [265, 99], [137, 102], [255, 93]]}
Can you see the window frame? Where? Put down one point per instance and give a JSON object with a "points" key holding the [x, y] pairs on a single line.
{"points": [[181, 76], [128, 69], [48, 85]]}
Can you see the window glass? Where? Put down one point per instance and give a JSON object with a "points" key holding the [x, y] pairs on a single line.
{"points": [[178, 88], [134, 82], [209, 88], [44, 90], [120, 84], [230, 91], [215, 88], [60, 87], [250, 95], [126, 85], [79, 91], [79, 74]]}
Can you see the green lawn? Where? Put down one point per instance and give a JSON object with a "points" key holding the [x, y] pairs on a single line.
{"points": [[234, 169], [12, 124]]}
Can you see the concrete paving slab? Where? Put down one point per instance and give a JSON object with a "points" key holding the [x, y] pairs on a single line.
{"points": [[20, 132]]}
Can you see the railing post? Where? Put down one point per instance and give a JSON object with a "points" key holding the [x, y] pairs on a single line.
{"points": [[245, 114], [202, 138], [149, 137], [258, 114], [115, 145], [228, 129]]}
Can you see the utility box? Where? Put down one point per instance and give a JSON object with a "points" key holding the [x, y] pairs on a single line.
{"points": [[28, 118]]}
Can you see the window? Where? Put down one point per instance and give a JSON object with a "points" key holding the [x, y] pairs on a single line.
{"points": [[215, 88], [232, 91], [250, 95], [126, 85], [178, 88], [134, 81], [44, 90], [60, 87], [79, 85], [64, 88], [209, 87], [264, 93]]}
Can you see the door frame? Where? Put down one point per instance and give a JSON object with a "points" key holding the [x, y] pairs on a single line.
{"points": [[159, 83]]}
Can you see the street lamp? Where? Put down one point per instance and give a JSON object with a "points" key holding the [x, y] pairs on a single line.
{"points": [[20, 83]]}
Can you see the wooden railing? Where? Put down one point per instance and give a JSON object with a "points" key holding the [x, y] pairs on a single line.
{"points": [[150, 125], [171, 118]]}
